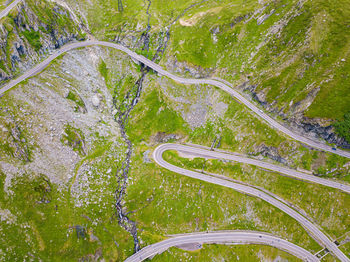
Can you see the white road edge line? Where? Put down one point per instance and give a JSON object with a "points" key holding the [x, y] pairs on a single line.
{"points": [[8, 8], [223, 237], [38, 68], [313, 230], [273, 123], [161, 71], [202, 152]]}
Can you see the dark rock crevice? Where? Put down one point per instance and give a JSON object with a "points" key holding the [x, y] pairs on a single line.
{"points": [[122, 119], [298, 121], [27, 36], [129, 102], [270, 152], [131, 99]]}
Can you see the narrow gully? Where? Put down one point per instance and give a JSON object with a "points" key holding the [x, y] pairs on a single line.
{"points": [[122, 119]]}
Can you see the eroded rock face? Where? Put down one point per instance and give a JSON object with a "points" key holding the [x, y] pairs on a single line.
{"points": [[318, 128], [270, 152], [26, 35], [162, 137], [184, 68], [326, 133]]}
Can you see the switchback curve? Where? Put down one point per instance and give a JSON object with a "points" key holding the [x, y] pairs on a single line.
{"points": [[223, 237], [161, 71], [314, 231]]}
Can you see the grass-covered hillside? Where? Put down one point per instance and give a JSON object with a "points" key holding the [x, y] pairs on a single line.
{"points": [[30, 31], [293, 56], [77, 177], [60, 149]]}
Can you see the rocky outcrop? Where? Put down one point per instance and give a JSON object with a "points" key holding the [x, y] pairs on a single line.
{"points": [[269, 152], [324, 132], [161, 137], [312, 126], [183, 68], [30, 31]]}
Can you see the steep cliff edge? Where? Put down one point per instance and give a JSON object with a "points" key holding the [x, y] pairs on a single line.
{"points": [[30, 31], [76, 139], [295, 54], [301, 72]]}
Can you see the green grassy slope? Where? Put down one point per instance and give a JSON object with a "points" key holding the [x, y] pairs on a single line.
{"points": [[294, 54]]}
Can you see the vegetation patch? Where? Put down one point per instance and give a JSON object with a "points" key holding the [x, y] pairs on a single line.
{"points": [[74, 138], [80, 105], [54, 228], [168, 203], [227, 253], [157, 117], [102, 67], [15, 145], [343, 127], [33, 38], [332, 206]]}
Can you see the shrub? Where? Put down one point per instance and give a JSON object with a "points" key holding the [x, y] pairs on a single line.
{"points": [[33, 39], [342, 128]]}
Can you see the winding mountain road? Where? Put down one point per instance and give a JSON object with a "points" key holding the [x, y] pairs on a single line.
{"points": [[201, 152], [8, 8], [161, 71], [314, 231], [223, 237]]}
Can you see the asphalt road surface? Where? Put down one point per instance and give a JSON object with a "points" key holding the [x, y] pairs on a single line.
{"points": [[245, 189], [201, 152], [313, 230], [223, 237], [161, 71], [8, 8]]}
